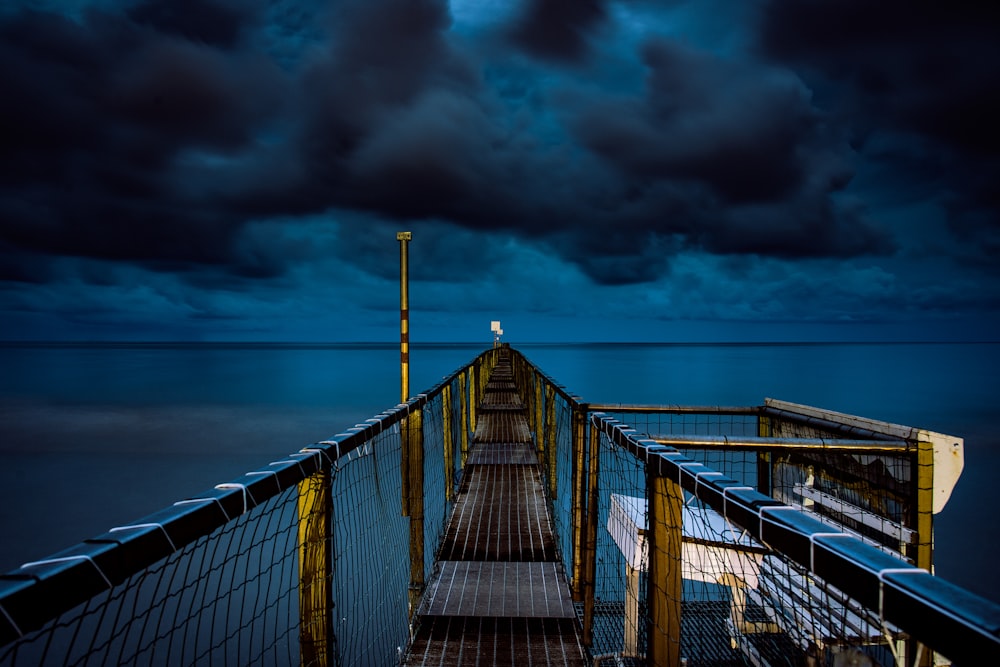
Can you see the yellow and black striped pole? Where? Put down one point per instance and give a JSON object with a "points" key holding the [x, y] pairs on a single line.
{"points": [[404, 312], [412, 445], [404, 363]]}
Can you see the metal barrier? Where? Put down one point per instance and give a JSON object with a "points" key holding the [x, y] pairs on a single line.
{"points": [[768, 535], [307, 560]]}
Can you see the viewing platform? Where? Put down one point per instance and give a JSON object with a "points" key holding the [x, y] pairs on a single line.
{"points": [[499, 594]]}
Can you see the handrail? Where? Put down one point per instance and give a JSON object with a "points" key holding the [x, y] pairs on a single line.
{"points": [[761, 443]]}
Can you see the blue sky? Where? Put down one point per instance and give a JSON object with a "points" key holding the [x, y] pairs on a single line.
{"points": [[625, 170]]}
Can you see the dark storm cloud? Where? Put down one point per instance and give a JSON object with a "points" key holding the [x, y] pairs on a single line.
{"points": [[926, 66], [927, 72], [215, 22], [751, 165], [558, 30], [163, 134], [93, 120], [726, 156], [371, 86]]}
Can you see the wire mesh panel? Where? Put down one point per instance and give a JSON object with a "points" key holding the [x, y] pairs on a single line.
{"points": [[621, 556], [229, 597], [438, 482], [869, 488], [562, 491], [371, 567], [655, 421]]}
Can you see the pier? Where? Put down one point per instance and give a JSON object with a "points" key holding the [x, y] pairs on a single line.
{"points": [[499, 595], [497, 518]]}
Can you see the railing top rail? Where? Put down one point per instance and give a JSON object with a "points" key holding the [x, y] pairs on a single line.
{"points": [[760, 443], [675, 409], [946, 617]]}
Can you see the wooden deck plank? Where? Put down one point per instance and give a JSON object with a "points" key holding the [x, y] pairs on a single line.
{"points": [[500, 514], [503, 453], [460, 641], [501, 589], [502, 426]]}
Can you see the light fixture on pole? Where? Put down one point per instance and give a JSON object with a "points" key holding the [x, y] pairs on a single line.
{"points": [[497, 332]]}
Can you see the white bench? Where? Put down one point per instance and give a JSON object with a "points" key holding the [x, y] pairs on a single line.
{"points": [[713, 550]]}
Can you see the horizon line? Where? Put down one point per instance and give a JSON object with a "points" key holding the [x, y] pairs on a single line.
{"points": [[154, 342]]}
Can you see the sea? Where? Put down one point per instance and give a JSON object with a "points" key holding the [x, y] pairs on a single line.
{"points": [[97, 435]]}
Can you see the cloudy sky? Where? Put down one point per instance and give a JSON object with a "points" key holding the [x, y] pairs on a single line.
{"points": [[579, 169]]}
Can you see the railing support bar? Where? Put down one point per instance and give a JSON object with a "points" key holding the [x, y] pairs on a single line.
{"points": [[663, 588], [414, 424], [463, 408], [315, 540], [579, 494], [449, 444], [590, 541], [550, 439]]}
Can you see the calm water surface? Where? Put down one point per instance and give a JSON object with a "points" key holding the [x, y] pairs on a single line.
{"points": [[95, 436]]}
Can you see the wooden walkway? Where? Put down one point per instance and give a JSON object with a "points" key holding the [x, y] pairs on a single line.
{"points": [[499, 595]]}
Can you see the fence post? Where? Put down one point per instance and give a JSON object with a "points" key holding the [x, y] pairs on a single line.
{"points": [[550, 438], [473, 392], [539, 424], [315, 522], [579, 495], [590, 541], [764, 457], [449, 444], [924, 555], [414, 424], [463, 408], [663, 587]]}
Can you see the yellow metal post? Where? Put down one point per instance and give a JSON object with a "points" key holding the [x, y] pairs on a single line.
{"points": [[924, 556], [404, 466], [579, 497], [590, 540], [473, 392], [663, 592], [416, 487], [315, 508], [411, 433], [539, 423], [449, 444], [463, 408], [764, 458], [550, 437]]}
